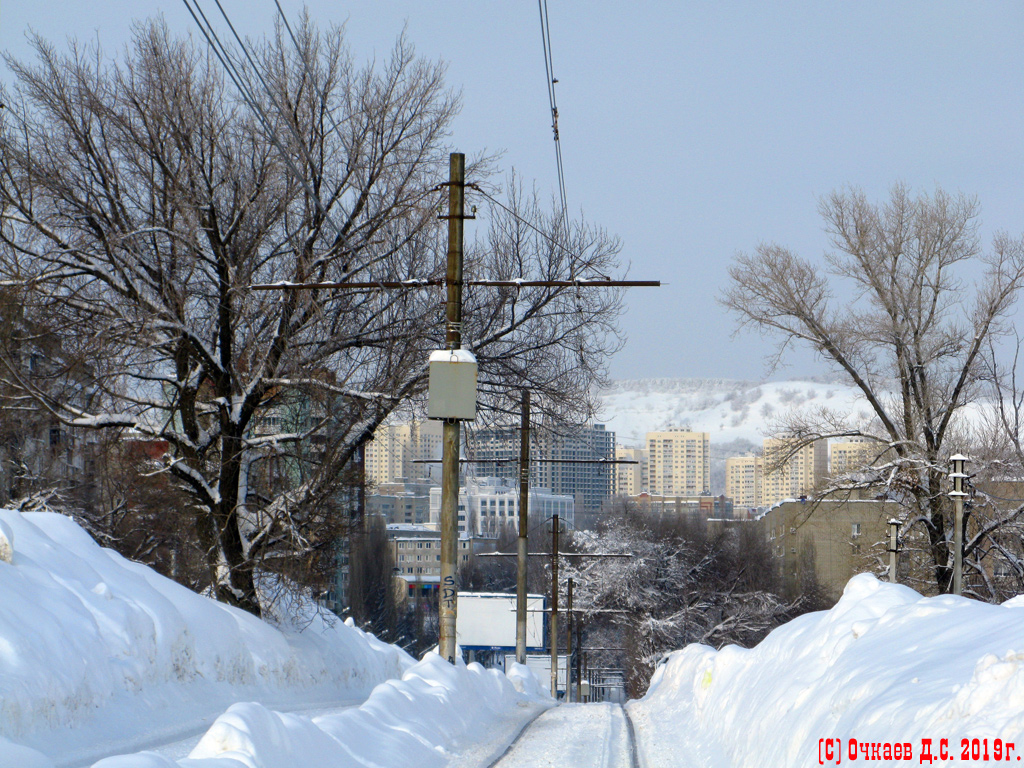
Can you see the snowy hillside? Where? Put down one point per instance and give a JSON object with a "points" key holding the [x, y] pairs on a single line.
{"points": [[98, 650], [729, 410], [885, 666]]}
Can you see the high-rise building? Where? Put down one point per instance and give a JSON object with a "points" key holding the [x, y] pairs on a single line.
{"points": [[495, 452], [852, 455], [630, 479], [743, 478], [791, 474], [678, 462], [404, 502], [395, 448]]}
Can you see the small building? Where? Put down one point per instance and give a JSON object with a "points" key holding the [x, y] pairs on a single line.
{"points": [[416, 550], [403, 501], [836, 539], [488, 504], [702, 507]]}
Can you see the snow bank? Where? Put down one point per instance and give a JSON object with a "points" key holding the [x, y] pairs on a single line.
{"points": [[884, 666], [437, 715], [97, 650], [6, 543]]}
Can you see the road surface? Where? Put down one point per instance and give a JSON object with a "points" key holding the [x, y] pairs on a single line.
{"points": [[574, 735]]}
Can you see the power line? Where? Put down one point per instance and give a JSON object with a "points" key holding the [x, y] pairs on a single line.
{"points": [[545, 36], [416, 283], [223, 54]]}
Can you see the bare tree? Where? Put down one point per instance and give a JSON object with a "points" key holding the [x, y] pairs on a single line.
{"points": [[682, 585], [141, 199], [903, 308]]}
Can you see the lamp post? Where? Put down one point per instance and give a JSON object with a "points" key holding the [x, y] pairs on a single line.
{"points": [[894, 547], [957, 494]]}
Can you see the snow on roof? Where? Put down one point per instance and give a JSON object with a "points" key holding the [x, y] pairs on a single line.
{"points": [[452, 356]]}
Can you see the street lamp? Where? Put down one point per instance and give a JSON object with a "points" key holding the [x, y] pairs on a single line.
{"points": [[894, 547], [957, 494]]}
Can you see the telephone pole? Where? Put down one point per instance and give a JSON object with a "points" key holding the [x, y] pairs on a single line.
{"points": [[524, 524], [568, 643], [448, 596], [553, 631]]}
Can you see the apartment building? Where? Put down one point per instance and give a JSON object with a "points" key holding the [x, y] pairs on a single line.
{"points": [[833, 539], [852, 455], [416, 550], [743, 480], [698, 507], [794, 477], [403, 501], [630, 479], [395, 448], [679, 462]]}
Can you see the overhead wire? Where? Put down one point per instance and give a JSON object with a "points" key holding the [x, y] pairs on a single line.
{"points": [[226, 59], [227, 62], [549, 71]]}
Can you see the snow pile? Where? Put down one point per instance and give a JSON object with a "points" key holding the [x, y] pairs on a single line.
{"points": [[6, 543], [97, 652], [884, 666], [437, 715], [728, 410]]}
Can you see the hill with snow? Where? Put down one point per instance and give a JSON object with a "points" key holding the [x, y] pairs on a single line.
{"points": [[730, 410]]}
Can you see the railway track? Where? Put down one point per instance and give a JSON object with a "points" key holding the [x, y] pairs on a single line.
{"points": [[573, 735]]}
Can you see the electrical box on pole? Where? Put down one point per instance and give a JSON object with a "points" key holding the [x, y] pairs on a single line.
{"points": [[452, 388]]}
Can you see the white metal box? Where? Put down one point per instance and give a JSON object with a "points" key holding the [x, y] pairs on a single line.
{"points": [[487, 621], [452, 388]]}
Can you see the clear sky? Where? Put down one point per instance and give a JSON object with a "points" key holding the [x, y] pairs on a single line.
{"points": [[692, 130]]}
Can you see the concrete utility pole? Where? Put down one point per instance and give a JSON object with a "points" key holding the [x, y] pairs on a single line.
{"points": [[957, 494], [554, 606], [448, 596], [579, 654], [524, 524], [894, 547], [454, 281], [568, 643]]}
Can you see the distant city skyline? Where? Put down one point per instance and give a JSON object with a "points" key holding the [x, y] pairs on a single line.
{"points": [[691, 131]]}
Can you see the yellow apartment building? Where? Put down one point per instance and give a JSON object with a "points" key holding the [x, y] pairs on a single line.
{"points": [[630, 479], [798, 476], [679, 462], [744, 476]]}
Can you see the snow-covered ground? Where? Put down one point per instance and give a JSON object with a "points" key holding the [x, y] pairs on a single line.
{"points": [[102, 656], [572, 736], [436, 716], [885, 666], [729, 410], [99, 654]]}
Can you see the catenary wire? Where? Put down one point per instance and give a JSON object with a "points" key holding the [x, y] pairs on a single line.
{"points": [[545, 35], [224, 56]]}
